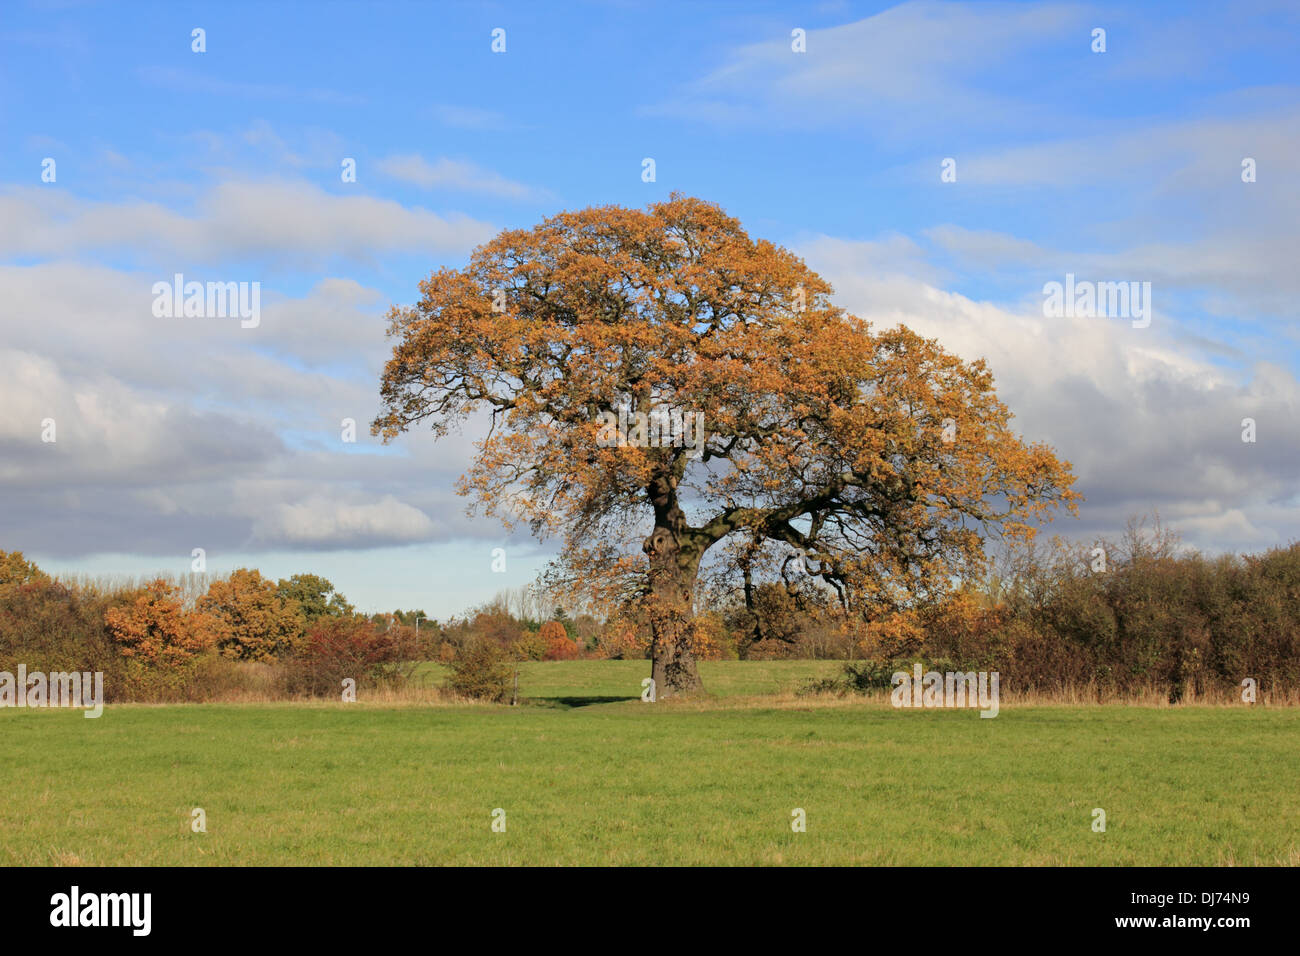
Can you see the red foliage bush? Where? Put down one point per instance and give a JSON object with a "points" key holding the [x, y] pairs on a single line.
{"points": [[560, 649], [336, 648]]}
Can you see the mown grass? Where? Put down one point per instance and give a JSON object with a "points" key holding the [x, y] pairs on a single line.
{"points": [[587, 774], [577, 683]]}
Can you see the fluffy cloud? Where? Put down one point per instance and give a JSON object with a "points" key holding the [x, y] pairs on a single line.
{"points": [[920, 56], [291, 223], [324, 521], [454, 175], [181, 433], [1148, 421]]}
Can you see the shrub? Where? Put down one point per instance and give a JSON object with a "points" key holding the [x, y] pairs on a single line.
{"points": [[560, 649], [531, 647], [870, 676], [337, 648], [551, 630], [482, 671], [153, 629], [50, 627], [626, 638]]}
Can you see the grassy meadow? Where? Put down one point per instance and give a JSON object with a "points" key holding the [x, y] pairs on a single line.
{"points": [[588, 774]]}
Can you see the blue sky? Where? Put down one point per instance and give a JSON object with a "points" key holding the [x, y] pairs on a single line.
{"points": [[225, 165]]}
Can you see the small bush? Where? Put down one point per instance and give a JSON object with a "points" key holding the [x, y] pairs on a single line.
{"points": [[531, 647], [550, 630], [482, 671], [872, 676], [337, 648], [153, 630], [626, 638], [560, 649]]}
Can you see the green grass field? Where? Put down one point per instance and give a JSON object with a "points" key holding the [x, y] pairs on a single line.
{"points": [[587, 774]]}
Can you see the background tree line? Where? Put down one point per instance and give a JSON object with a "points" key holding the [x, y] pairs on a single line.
{"points": [[1110, 619]]}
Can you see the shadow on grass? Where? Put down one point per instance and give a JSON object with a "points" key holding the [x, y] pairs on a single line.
{"points": [[570, 702]]}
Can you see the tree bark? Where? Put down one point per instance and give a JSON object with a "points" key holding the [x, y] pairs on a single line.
{"points": [[672, 579]]}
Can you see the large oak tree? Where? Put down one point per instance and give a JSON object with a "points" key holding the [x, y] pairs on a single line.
{"points": [[876, 458]]}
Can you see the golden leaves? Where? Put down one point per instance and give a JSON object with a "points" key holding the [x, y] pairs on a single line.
{"points": [[154, 628], [890, 448]]}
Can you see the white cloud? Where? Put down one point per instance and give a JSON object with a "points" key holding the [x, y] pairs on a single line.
{"points": [[468, 117], [109, 433], [452, 174], [174, 434], [323, 520], [1204, 152], [915, 64], [289, 222], [1148, 421]]}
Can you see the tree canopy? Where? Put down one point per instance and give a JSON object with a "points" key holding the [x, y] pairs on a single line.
{"points": [[874, 462]]}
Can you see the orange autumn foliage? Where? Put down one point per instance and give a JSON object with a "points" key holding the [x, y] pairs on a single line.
{"points": [[551, 630], [154, 628], [708, 635], [876, 455], [558, 646], [560, 649], [250, 619]]}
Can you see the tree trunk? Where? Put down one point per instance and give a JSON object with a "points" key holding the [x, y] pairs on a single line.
{"points": [[672, 579]]}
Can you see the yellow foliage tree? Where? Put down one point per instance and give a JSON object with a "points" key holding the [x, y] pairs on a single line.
{"points": [[251, 620]]}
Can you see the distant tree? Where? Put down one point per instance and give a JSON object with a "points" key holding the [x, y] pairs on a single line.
{"points": [[560, 649], [530, 647], [876, 459], [552, 630], [498, 627], [15, 570], [251, 620], [408, 618], [558, 645], [315, 595], [336, 647], [154, 628], [586, 629], [48, 625]]}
